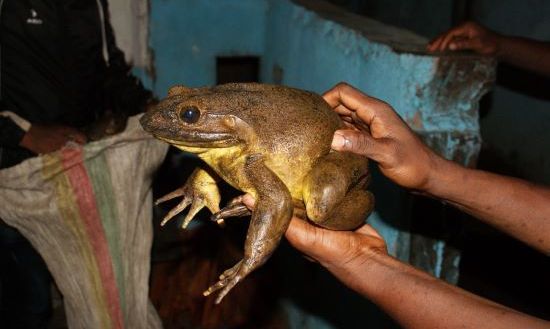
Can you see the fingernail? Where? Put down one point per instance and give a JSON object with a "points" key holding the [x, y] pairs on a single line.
{"points": [[248, 200], [338, 141]]}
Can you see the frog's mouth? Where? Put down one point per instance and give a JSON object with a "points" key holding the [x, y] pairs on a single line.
{"points": [[202, 140]]}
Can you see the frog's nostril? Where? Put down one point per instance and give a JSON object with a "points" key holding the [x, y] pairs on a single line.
{"points": [[190, 114]]}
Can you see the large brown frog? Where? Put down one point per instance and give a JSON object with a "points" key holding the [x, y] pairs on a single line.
{"points": [[272, 142]]}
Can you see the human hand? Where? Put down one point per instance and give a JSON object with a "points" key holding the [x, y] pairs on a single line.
{"points": [[333, 249], [42, 139], [468, 36], [376, 131]]}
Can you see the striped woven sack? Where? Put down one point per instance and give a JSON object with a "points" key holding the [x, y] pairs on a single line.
{"points": [[88, 212]]}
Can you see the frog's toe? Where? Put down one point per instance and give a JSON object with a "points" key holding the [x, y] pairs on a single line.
{"points": [[232, 210], [196, 206], [174, 194], [225, 285], [228, 286], [176, 210], [230, 271], [227, 281]]}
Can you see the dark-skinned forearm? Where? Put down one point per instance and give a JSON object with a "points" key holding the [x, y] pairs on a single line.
{"points": [[526, 53], [516, 207], [417, 300]]}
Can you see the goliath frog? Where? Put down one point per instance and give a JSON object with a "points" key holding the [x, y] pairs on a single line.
{"points": [[272, 142]]}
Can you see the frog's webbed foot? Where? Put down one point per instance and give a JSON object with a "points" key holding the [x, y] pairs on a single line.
{"points": [[229, 279], [235, 208], [199, 191]]}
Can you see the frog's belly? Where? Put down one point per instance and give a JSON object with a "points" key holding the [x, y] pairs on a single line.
{"points": [[228, 163], [230, 167], [291, 174]]}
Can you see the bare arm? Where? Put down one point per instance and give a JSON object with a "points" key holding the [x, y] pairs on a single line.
{"points": [[529, 54], [526, 53], [516, 207], [413, 298]]}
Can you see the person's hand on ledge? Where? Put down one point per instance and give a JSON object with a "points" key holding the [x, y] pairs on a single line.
{"points": [[468, 36], [530, 54]]}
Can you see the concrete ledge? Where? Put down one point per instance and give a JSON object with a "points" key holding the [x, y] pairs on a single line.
{"points": [[400, 40], [315, 50]]}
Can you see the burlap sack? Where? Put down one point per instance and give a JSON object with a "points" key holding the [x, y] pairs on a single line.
{"points": [[88, 212]]}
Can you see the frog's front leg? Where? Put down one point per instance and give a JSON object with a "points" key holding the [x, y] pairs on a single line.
{"points": [[199, 190], [269, 222], [335, 194]]}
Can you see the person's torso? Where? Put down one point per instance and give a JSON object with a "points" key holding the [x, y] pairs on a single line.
{"points": [[52, 63]]}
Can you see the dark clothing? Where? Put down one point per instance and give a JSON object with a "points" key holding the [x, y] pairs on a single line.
{"points": [[60, 65], [25, 283]]}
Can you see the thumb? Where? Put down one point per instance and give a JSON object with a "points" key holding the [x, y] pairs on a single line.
{"points": [[358, 142], [248, 201]]}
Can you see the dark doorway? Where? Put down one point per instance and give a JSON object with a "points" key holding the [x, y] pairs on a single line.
{"points": [[237, 69]]}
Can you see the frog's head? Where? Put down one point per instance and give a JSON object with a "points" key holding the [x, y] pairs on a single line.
{"points": [[192, 118]]}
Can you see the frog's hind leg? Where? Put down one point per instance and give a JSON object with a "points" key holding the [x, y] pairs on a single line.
{"points": [[269, 222], [335, 192], [351, 213]]}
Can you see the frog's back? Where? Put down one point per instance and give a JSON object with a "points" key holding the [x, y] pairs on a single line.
{"points": [[287, 121]]}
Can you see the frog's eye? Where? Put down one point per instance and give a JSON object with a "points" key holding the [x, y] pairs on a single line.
{"points": [[190, 114]]}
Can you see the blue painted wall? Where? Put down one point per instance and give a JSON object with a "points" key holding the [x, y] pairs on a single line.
{"points": [[317, 53], [186, 36]]}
